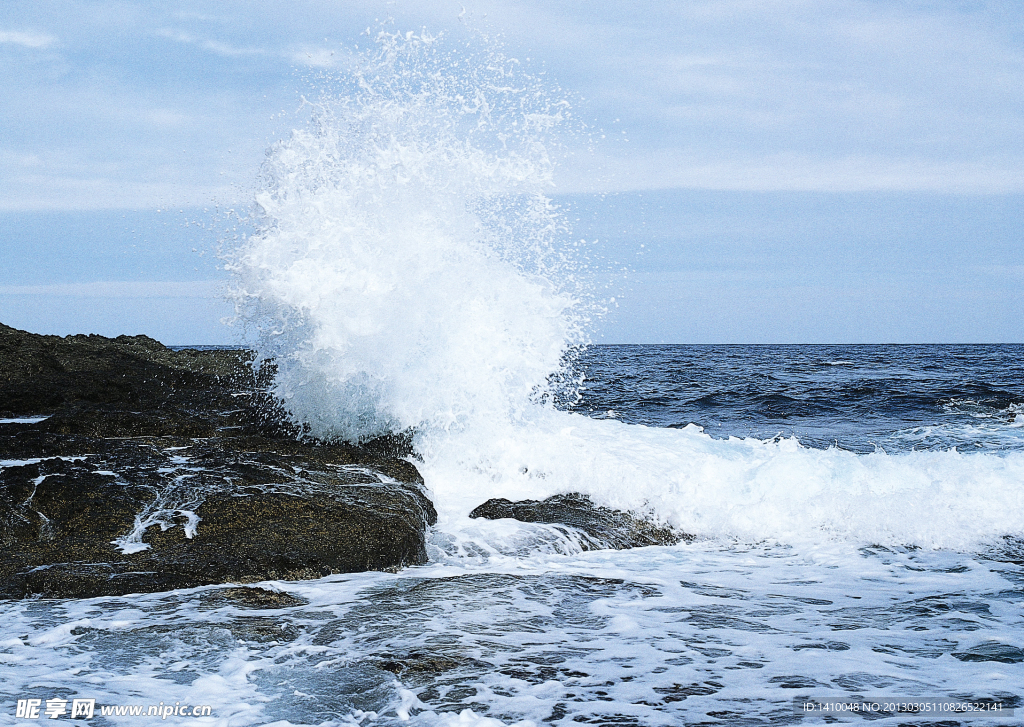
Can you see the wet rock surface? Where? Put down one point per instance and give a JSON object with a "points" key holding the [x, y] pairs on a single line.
{"points": [[605, 527], [158, 469], [992, 651], [423, 663], [251, 597]]}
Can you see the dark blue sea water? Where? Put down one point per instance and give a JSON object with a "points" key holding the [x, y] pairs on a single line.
{"points": [[856, 397]]}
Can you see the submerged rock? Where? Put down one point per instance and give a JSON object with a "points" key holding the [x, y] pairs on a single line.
{"points": [[156, 469], [423, 663], [251, 597], [605, 527], [992, 651]]}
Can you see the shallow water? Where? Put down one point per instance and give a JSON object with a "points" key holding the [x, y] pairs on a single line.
{"points": [[712, 633]]}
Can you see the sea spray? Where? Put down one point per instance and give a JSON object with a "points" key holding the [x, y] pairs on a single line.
{"points": [[409, 272], [407, 269]]}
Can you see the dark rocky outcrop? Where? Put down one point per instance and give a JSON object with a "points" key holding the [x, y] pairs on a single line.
{"points": [[46, 374], [605, 527], [158, 469]]}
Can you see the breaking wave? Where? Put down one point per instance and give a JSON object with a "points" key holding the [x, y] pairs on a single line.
{"points": [[408, 271]]}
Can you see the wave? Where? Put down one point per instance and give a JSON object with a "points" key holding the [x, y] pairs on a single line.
{"points": [[748, 489], [409, 272], [407, 268]]}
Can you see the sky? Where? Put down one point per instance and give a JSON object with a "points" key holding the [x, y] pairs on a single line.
{"points": [[768, 171]]}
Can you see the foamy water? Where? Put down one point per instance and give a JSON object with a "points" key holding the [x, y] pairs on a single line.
{"points": [[705, 633], [748, 489]]}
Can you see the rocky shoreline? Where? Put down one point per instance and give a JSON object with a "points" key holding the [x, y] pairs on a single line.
{"points": [[156, 469], [127, 467]]}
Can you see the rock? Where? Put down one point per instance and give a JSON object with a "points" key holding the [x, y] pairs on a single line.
{"points": [[251, 597], [41, 374], [263, 631], [605, 527], [422, 663], [254, 521], [992, 651], [158, 470]]}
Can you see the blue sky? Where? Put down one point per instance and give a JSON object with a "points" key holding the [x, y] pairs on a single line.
{"points": [[796, 171]]}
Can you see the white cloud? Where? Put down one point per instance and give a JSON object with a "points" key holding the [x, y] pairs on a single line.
{"points": [[27, 161], [122, 289], [27, 40], [714, 94], [686, 169], [214, 46], [64, 190], [202, 17]]}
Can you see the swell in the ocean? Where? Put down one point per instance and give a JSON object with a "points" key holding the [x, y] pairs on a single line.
{"points": [[409, 272]]}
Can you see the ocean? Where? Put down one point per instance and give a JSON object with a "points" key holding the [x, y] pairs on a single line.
{"points": [[743, 626], [857, 512]]}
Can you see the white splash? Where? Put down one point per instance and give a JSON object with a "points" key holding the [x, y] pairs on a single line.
{"points": [[408, 271], [405, 271]]}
